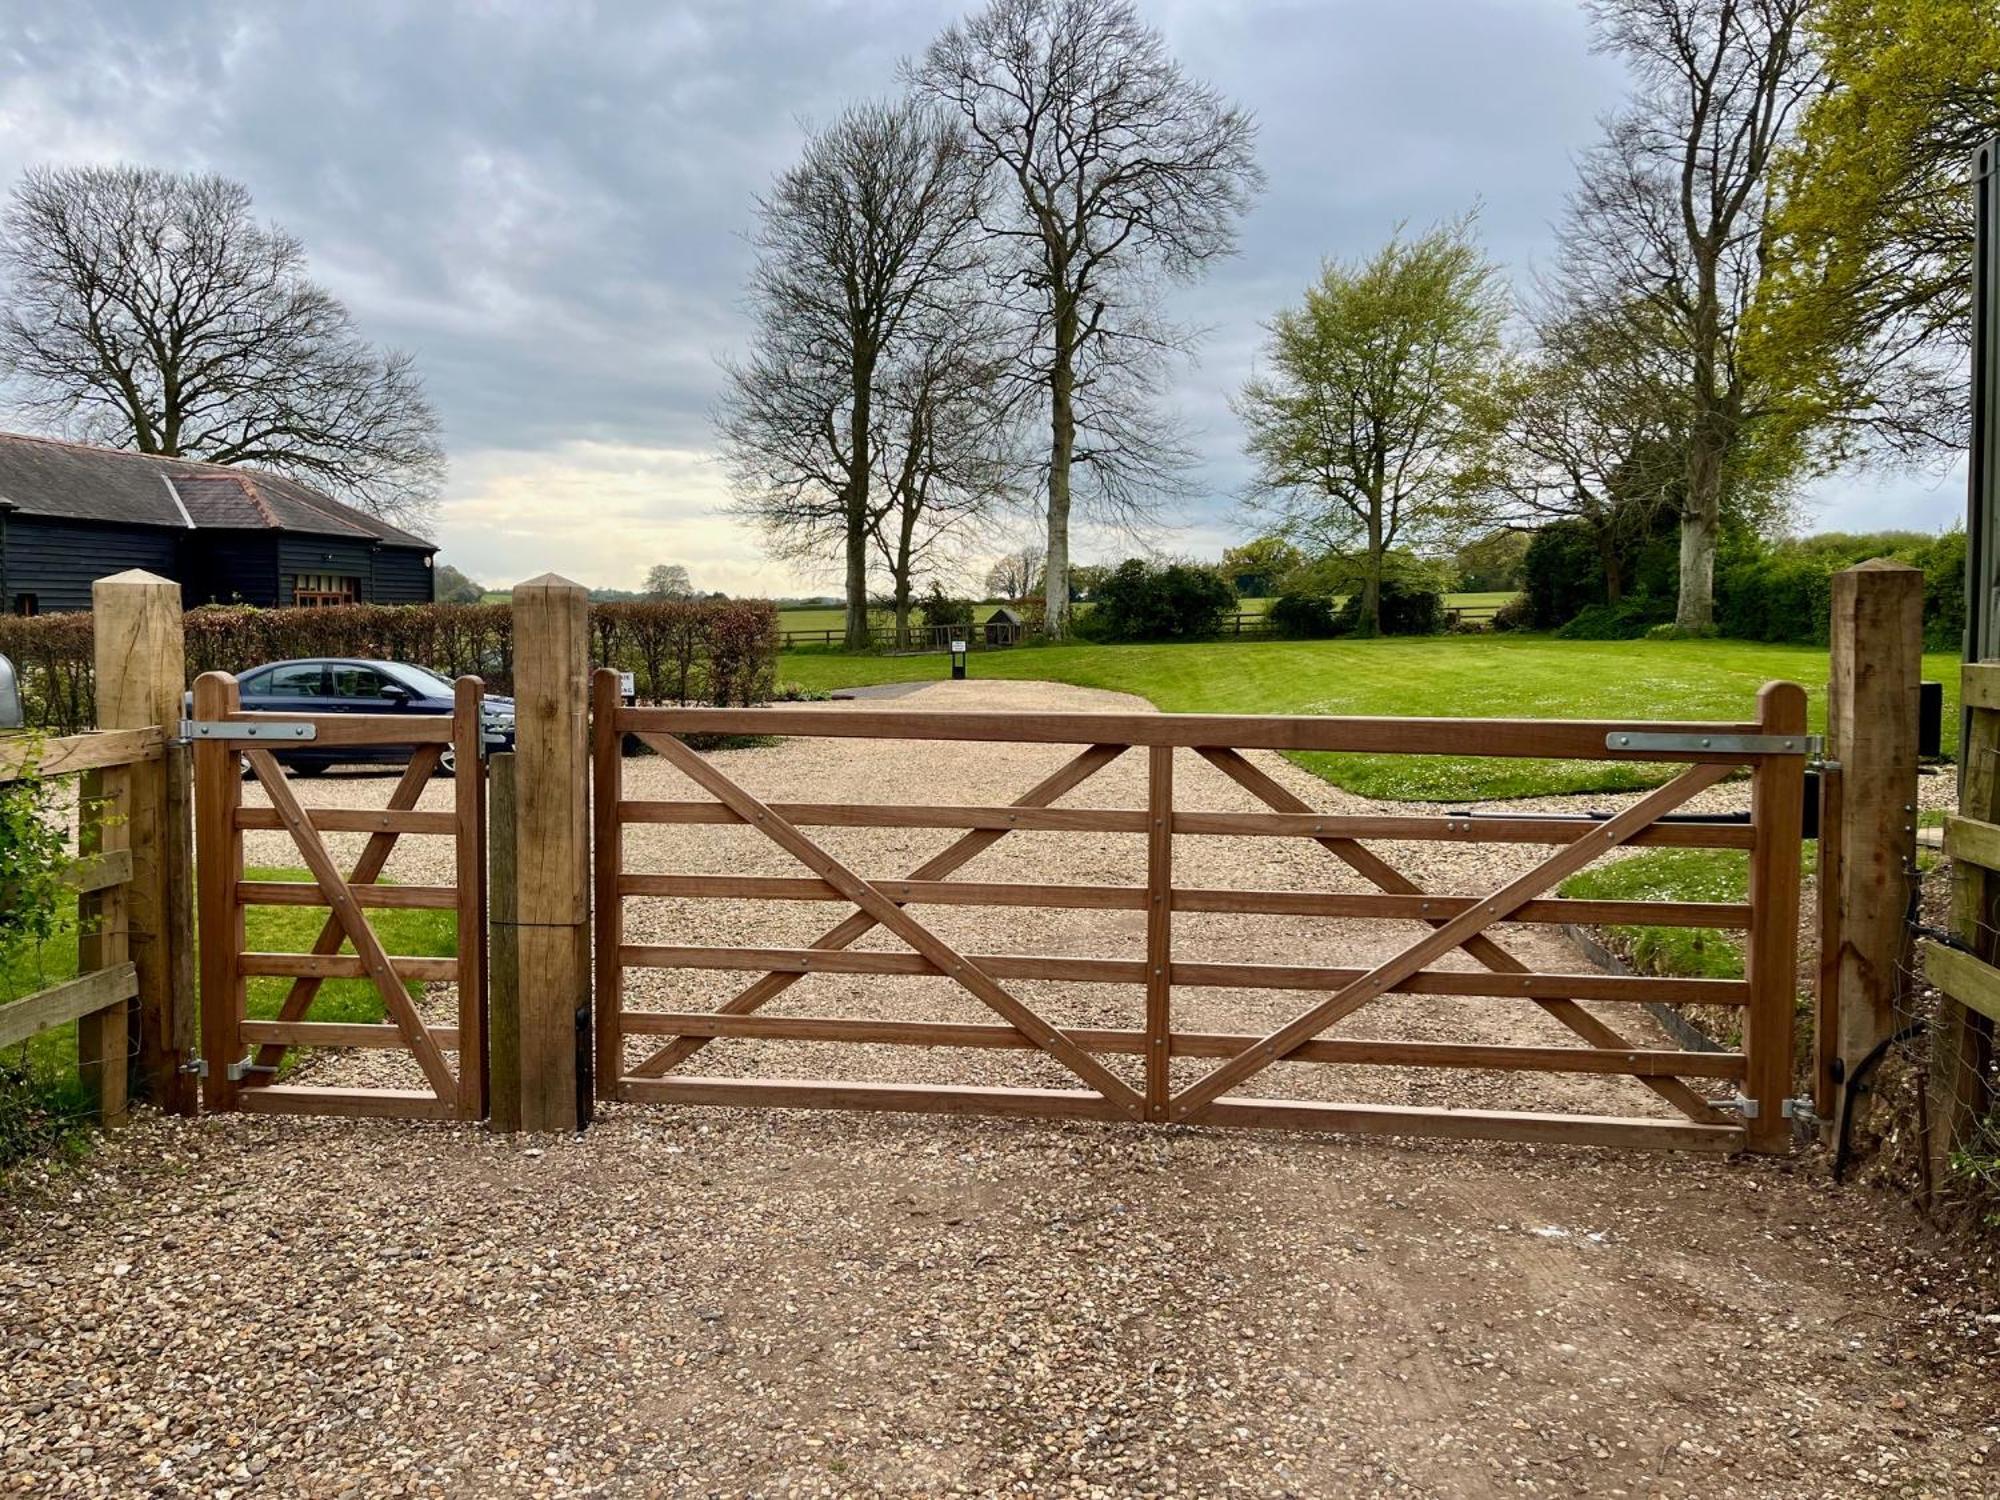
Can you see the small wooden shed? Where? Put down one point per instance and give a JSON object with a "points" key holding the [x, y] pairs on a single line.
{"points": [[1003, 627]]}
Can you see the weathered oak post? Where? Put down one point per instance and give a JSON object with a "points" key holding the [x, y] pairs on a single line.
{"points": [[1872, 697], [1777, 816], [140, 668], [541, 866]]}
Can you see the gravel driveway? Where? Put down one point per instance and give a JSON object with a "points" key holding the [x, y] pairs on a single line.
{"points": [[721, 1302]]}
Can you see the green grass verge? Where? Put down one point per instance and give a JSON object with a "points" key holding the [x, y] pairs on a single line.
{"points": [[1485, 676], [40, 1097], [1672, 875]]}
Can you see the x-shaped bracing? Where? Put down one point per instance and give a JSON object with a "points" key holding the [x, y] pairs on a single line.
{"points": [[347, 917], [877, 910], [1467, 930]]}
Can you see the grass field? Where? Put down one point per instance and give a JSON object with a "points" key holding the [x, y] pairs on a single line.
{"points": [[1478, 676]]}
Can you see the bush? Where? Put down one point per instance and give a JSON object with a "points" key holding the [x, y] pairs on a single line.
{"points": [[1627, 620], [1406, 610], [678, 651], [1307, 617], [1783, 592], [1561, 574], [1514, 615], [1143, 601]]}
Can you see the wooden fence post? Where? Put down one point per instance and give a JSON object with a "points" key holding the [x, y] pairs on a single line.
{"points": [[1872, 694], [541, 895], [141, 667], [1777, 816]]}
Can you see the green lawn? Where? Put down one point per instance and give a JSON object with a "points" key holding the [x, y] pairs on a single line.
{"points": [[1480, 676], [833, 618], [38, 1078], [1673, 875]]}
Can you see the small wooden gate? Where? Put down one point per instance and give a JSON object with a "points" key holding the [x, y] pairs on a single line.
{"points": [[1773, 747], [244, 1057]]}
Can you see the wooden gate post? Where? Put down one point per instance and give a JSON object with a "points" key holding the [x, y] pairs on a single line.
{"points": [[1777, 817], [1872, 696], [141, 668], [541, 866]]}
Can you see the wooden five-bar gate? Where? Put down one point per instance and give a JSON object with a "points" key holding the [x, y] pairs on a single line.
{"points": [[1773, 747], [244, 1057]]}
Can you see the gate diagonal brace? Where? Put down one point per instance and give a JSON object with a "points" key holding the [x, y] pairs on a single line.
{"points": [[887, 913], [1581, 1022], [1457, 932], [395, 999], [960, 852]]}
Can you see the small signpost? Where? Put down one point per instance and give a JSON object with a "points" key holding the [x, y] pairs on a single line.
{"points": [[958, 661]]}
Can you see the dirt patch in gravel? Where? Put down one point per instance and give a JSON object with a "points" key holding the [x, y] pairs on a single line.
{"points": [[725, 1302]]}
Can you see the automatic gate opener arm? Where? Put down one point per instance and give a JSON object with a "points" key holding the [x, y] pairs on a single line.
{"points": [[1386, 876], [374, 856], [959, 852], [887, 913], [373, 959], [1469, 923]]}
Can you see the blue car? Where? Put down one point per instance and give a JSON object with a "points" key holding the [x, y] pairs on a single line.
{"points": [[347, 685]]}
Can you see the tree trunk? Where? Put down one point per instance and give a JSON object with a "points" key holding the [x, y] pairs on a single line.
{"points": [[1371, 580], [859, 460], [1607, 561], [1701, 522], [900, 569], [1062, 447]]}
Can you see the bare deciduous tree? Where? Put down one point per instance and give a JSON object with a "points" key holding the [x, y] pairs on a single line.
{"points": [[668, 581], [868, 232], [1669, 218], [950, 450], [1015, 575], [1113, 171], [149, 310]]}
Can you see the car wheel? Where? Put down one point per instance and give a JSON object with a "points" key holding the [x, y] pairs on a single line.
{"points": [[447, 763], [308, 768]]}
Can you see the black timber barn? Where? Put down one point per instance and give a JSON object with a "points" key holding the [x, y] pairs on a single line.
{"points": [[70, 514]]}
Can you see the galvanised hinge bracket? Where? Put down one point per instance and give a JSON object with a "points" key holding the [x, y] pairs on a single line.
{"points": [[227, 729], [1724, 744]]}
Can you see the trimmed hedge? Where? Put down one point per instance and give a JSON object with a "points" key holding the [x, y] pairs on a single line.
{"points": [[679, 651], [1784, 593]]}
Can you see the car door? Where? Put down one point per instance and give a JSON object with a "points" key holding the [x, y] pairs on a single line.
{"points": [[290, 687]]}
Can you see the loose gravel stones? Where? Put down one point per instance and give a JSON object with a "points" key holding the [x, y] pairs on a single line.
{"points": [[723, 1302]]}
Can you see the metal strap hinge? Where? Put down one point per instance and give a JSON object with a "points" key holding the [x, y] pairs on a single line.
{"points": [[1723, 744], [237, 1070], [1740, 1104], [229, 729]]}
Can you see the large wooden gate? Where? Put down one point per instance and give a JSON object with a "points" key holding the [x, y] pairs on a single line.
{"points": [[1772, 747], [245, 1057]]}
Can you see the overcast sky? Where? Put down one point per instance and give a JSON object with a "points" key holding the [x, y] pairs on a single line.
{"points": [[546, 203]]}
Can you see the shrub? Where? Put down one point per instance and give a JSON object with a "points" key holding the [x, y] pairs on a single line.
{"points": [[1514, 615], [1308, 617], [939, 608], [1406, 610], [1783, 592], [1561, 574], [678, 650], [1626, 620], [1143, 601]]}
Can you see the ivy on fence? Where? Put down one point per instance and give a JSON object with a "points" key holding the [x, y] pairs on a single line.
{"points": [[720, 652]]}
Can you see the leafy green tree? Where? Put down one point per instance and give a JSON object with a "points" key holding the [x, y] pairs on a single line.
{"points": [[450, 586], [1258, 569], [1376, 425], [1867, 302], [1491, 563]]}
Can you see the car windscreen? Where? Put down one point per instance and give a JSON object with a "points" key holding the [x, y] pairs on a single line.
{"points": [[419, 679]]}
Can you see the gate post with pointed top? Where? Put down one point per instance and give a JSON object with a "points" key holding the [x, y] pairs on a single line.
{"points": [[541, 874]]}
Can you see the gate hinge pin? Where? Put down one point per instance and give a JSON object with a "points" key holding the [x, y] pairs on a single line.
{"points": [[1801, 1108], [195, 1065], [1740, 1104]]}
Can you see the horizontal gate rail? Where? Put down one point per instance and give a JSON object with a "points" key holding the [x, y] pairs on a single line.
{"points": [[1773, 747], [1557, 739], [1465, 830]]}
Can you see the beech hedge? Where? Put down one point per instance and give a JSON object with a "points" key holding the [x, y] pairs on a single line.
{"points": [[721, 652]]}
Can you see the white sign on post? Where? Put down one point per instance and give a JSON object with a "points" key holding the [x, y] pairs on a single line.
{"points": [[958, 646], [628, 688]]}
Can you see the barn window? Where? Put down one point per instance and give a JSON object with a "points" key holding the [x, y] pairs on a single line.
{"points": [[322, 590]]}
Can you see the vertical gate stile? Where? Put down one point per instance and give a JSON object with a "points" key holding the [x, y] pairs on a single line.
{"points": [[1159, 927], [1777, 819], [468, 777], [219, 854], [607, 864]]}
